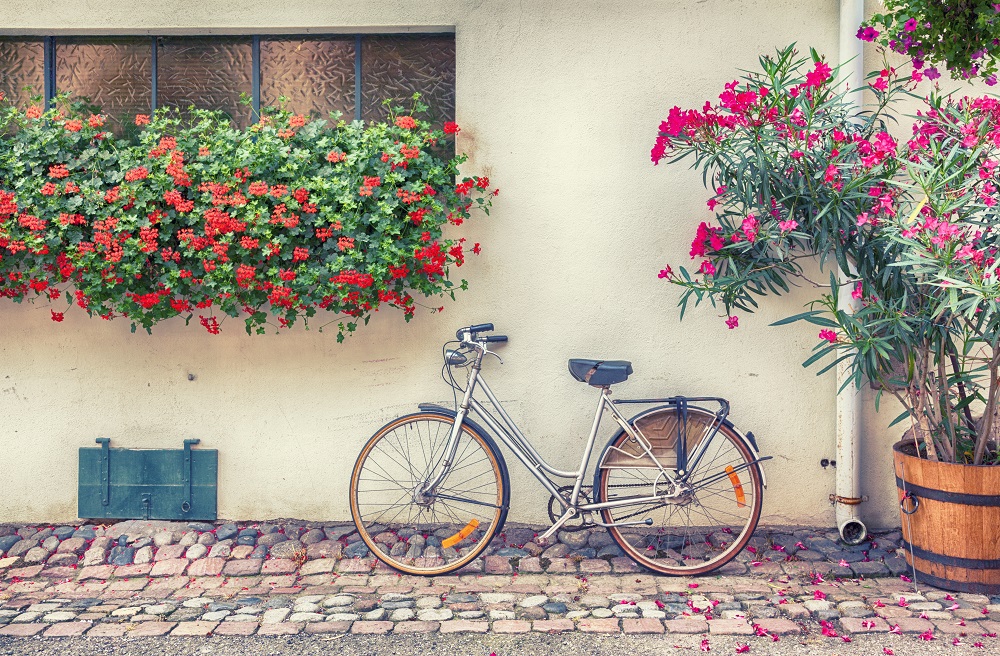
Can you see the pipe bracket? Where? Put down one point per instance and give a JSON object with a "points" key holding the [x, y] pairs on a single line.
{"points": [[847, 501]]}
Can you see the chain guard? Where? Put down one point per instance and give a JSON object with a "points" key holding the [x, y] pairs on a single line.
{"points": [[555, 509]]}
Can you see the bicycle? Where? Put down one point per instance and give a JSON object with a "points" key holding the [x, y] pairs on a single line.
{"points": [[678, 487]]}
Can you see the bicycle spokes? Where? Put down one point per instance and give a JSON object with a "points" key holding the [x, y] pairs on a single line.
{"points": [[418, 531], [701, 522]]}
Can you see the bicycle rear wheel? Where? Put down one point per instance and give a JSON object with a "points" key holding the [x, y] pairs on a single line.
{"points": [[422, 535], [704, 527]]}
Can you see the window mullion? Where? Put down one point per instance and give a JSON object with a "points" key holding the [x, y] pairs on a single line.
{"points": [[49, 70]]}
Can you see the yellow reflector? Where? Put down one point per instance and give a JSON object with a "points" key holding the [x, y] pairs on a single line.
{"points": [[741, 499], [461, 535]]}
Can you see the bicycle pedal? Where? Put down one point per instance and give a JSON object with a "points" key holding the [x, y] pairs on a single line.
{"points": [[541, 542]]}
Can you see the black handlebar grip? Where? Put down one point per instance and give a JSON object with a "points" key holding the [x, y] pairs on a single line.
{"points": [[495, 338], [481, 327]]}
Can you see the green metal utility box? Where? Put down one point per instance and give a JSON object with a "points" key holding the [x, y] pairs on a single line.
{"points": [[179, 484]]}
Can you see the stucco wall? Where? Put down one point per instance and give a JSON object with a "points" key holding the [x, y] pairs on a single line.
{"points": [[559, 102]]}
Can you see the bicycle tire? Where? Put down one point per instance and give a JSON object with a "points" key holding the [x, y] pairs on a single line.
{"points": [[725, 504], [439, 535]]}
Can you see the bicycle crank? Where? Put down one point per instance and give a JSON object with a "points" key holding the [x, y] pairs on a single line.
{"points": [[556, 509]]}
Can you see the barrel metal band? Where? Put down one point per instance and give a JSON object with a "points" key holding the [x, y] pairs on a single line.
{"points": [[955, 561], [960, 586], [949, 497]]}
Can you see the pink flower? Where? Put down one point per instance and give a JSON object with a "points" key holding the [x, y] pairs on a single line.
{"points": [[881, 84], [927, 635], [796, 154], [867, 34], [819, 594], [666, 272], [819, 74], [789, 225], [707, 268], [888, 652], [692, 585], [749, 227], [932, 73], [858, 291], [905, 578], [828, 335], [842, 563], [705, 646], [910, 25], [742, 649], [895, 629]]}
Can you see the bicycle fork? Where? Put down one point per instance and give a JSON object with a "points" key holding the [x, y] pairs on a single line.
{"points": [[451, 448]]}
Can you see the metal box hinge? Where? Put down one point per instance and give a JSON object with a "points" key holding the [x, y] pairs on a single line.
{"points": [[105, 443], [186, 504]]}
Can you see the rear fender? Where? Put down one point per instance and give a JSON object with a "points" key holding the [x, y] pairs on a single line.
{"points": [[747, 438]]}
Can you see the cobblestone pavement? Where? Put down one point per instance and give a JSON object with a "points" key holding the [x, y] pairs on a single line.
{"points": [[150, 579]]}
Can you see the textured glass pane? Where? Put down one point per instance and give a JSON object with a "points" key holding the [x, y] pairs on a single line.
{"points": [[316, 75], [113, 73], [207, 72], [395, 67], [21, 65]]}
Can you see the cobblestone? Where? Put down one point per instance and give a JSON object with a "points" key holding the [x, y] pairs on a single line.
{"points": [[198, 582]]}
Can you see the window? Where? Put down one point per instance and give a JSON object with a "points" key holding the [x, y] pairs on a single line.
{"points": [[126, 75]]}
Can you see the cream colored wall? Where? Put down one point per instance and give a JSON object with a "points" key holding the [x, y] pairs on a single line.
{"points": [[559, 103]]}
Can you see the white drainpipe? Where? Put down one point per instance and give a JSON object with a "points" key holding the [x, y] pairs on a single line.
{"points": [[848, 495]]}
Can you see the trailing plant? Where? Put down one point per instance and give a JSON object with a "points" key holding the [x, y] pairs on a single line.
{"points": [[962, 36], [910, 230], [194, 217]]}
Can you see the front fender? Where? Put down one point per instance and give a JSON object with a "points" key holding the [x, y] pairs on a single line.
{"points": [[479, 430]]}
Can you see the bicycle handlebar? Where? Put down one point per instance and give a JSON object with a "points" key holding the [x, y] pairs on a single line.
{"points": [[477, 328], [470, 333]]}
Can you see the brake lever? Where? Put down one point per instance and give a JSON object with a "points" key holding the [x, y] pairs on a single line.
{"points": [[482, 346]]}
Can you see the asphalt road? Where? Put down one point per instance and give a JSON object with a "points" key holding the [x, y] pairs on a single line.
{"points": [[474, 645]]}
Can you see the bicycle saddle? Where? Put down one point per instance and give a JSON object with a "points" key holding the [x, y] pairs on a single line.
{"points": [[600, 373]]}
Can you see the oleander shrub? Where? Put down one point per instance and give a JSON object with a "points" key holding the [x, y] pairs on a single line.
{"points": [[909, 231]]}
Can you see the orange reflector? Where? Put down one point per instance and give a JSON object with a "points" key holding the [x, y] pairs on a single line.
{"points": [[741, 499], [466, 532]]}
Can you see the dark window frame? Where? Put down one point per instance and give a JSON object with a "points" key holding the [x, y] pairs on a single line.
{"points": [[50, 41]]}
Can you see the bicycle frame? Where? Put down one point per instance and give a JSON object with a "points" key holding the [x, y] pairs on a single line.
{"points": [[507, 432]]}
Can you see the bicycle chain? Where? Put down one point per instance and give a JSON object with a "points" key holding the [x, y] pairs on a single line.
{"points": [[585, 491]]}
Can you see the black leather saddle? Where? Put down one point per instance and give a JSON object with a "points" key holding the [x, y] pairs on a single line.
{"points": [[600, 373]]}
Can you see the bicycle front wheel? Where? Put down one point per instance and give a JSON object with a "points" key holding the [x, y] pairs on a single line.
{"points": [[704, 526], [422, 534]]}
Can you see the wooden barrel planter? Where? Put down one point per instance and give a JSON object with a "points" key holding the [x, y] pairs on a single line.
{"points": [[951, 520]]}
